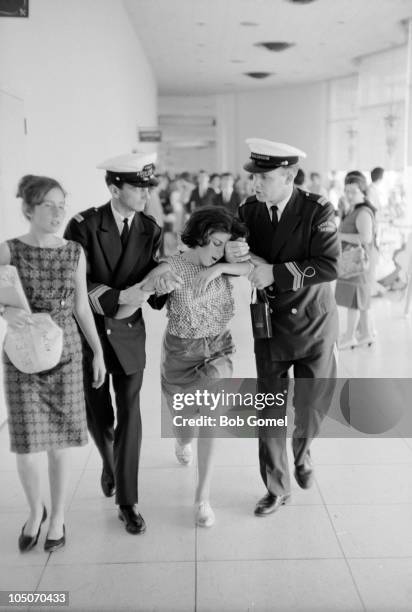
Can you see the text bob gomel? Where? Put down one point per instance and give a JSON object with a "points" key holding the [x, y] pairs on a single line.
{"points": [[226, 421]]}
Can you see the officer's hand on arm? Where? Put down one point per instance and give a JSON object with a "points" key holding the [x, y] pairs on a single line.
{"points": [[237, 251], [162, 283], [261, 276], [134, 295], [168, 282], [256, 260]]}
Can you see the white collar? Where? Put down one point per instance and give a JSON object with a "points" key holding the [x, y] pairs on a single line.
{"points": [[281, 205], [119, 218]]}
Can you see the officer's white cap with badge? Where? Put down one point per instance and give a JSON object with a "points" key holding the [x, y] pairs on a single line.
{"points": [[136, 169], [266, 155]]}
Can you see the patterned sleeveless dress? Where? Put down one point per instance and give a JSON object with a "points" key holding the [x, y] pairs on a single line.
{"points": [[47, 410]]}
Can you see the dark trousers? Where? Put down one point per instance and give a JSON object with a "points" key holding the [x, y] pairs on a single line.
{"points": [[312, 396], [119, 446]]}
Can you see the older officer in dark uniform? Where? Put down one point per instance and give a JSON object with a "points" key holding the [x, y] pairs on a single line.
{"points": [[120, 243], [295, 249]]}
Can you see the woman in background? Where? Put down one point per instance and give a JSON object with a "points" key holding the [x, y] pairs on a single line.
{"points": [[357, 227], [46, 410]]}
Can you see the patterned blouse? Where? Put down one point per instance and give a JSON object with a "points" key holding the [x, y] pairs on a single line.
{"points": [[201, 316]]}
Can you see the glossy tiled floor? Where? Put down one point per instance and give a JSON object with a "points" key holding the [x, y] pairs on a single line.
{"points": [[346, 544]]}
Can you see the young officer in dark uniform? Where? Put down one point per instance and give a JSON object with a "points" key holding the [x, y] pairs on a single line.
{"points": [[294, 236], [120, 243]]}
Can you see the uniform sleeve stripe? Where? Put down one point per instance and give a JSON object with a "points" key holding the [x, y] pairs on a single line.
{"points": [[296, 273], [94, 296], [299, 277]]}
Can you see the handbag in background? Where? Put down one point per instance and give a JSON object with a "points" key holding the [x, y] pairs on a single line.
{"points": [[260, 315], [353, 261]]}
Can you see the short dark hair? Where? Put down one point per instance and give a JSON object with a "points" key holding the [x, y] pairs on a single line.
{"points": [[377, 174], [360, 181], [213, 176], [300, 177], [32, 189], [357, 173], [208, 220]]}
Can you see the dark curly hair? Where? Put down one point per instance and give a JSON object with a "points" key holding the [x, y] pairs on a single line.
{"points": [[32, 189], [208, 220]]}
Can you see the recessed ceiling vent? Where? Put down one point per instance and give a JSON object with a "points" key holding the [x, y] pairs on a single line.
{"points": [[258, 75], [300, 1], [275, 45]]}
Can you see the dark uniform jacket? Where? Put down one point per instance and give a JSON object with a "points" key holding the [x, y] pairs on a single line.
{"points": [[304, 252], [109, 271]]}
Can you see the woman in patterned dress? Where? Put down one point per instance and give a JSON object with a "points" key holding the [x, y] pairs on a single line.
{"points": [[357, 227], [197, 346], [46, 410]]}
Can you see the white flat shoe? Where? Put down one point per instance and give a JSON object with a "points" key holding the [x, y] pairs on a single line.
{"points": [[184, 453], [204, 515], [349, 343], [368, 340]]}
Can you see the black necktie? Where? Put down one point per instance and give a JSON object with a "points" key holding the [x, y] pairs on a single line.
{"points": [[125, 232], [275, 220]]}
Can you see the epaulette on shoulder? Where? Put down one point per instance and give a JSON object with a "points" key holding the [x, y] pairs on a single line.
{"points": [[85, 214], [315, 197]]}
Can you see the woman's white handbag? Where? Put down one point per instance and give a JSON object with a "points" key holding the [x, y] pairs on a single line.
{"points": [[36, 346]]}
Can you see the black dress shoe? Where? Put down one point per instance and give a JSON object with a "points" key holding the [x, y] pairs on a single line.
{"points": [[270, 503], [304, 476], [107, 482], [26, 542], [52, 545], [134, 522]]}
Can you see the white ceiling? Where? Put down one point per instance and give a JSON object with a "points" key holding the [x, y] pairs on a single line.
{"points": [[201, 47]]}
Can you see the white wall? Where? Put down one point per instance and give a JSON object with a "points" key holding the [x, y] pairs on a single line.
{"points": [[86, 85], [189, 159], [295, 115]]}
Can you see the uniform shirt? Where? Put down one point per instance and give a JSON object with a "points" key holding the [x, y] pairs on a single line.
{"points": [[119, 218], [201, 316], [280, 207]]}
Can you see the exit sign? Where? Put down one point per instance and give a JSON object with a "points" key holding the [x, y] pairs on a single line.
{"points": [[149, 135]]}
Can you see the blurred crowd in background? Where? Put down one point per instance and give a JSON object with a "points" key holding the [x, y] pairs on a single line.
{"points": [[176, 197]]}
